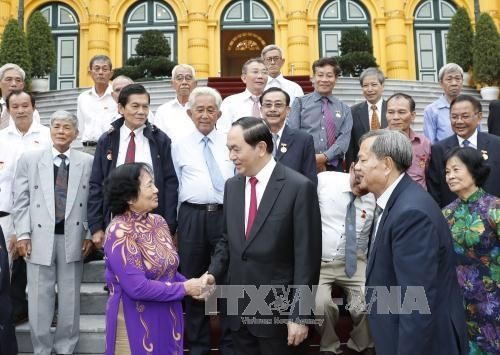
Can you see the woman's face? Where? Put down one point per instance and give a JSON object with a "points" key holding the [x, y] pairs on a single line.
{"points": [[147, 199], [459, 179]]}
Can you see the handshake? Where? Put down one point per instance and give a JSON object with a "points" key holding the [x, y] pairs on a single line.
{"points": [[200, 288]]}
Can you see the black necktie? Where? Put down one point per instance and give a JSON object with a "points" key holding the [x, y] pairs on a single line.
{"points": [[61, 189]]}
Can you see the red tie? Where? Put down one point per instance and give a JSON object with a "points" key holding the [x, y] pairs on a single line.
{"points": [[252, 211], [130, 156]]}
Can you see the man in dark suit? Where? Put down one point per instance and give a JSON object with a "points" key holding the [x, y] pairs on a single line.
{"points": [[8, 343], [413, 298], [494, 118], [132, 139], [292, 147], [271, 236], [465, 115], [369, 114]]}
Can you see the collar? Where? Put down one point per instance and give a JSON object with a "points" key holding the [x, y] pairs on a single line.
{"points": [[475, 196], [12, 129], [137, 131], [212, 136], [442, 102], [279, 78], [108, 91], [176, 102], [378, 104], [472, 139], [318, 97], [265, 173], [55, 153], [414, 136], [384, 198], [248, 94]]}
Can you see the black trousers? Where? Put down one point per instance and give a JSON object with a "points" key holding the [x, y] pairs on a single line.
{"points": [[198, 232], [17, 292]]}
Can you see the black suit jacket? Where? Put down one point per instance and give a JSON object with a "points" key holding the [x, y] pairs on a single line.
{"points": [[494, 118], [361, 125], [8, 344], [436, 179], [413, 247], [283, 247], [296, 150]]}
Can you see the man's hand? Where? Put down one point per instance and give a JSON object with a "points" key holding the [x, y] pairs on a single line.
{"points": [[296, 333], [24, 247], [12, 247], [98, 238], [207, 287], [321, 162], [87, 247]]}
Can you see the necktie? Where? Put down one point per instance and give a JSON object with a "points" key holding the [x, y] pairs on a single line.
{"points": [[4, 116], [350, 238], [275, 141], [61, 189], [376, 215], [255, 107], [375, 124], [329, 122], [466, 143], [252, 211], [213, 168], [130, 156]]}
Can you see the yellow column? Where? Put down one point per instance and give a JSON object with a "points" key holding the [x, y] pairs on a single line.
{"points": [[298, 40], [4, 14], [198, 37], [493, 8], [98, 40], [396, 46]]}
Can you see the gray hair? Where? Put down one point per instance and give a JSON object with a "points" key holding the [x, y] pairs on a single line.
{"points": [[269, 48], [122, 78], [372, 72], [450, 68], [392, 144], [12, 66], [250, 61], [100, 58], [205, 90], [185, 66], [62, 115]]}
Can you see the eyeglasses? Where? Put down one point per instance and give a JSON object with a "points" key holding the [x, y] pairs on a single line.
{"points": [[272, 59], [181, 78], [464, 116], [277, 105]]}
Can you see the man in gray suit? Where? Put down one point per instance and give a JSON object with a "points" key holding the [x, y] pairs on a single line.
{"points": [[50, 219]]}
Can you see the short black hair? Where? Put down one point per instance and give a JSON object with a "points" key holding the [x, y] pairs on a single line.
{"points": [[474, 162], [275, 89], [401, 95], [122, 185], [16, 93], [319, 63], [255, 130], [131, 89], [461, 98]]}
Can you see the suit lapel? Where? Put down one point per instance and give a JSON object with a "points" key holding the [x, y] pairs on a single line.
{"points": [[383, 119], [75, 174], [238, 208], [286, 141], [365, 119], [482, 141], [46, 173]]}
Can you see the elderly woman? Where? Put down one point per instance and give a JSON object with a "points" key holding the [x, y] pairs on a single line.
{"points": [[144, 312], [474, 219]]}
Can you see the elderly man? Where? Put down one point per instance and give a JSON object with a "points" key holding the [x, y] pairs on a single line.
{"points": [[172, 117], [273, 59], [254, 75], [325, 117], [413, 298], [96, 105], [50, 218], [202, 166], [12, 78], [369, 114], [291, 147]]}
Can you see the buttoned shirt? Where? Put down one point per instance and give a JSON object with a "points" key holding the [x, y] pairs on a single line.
{"points": [[421, 155], [472, 140], [379, 111], [437, 125], [292, 88], [233, 108], [307, 115], [142, 150], [334, 195], [7, 120], [94, 113], [172, 118], [195, 185]]}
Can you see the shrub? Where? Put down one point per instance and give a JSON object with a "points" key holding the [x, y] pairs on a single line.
{"points": [[355, 62], [157, 66], [356, 52], [355, 39], [132, 71], [14, 48], [460, 40], [40, 45], [152, 43], [486, 52]]}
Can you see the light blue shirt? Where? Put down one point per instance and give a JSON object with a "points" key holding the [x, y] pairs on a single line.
{"points": [[437, 125]]}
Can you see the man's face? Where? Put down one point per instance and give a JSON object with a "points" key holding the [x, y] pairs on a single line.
{"points": [[274, 62], [452, 84], [355, 181], [135, 111], [63, 132], [21, 109], [274, 109], [372, 89], [183, 82], [371, 171], [11, 81], [255, 78], [324, 80], [101, 72], [246, 159], [118, 85], [204, 113], [464, 119], [399, 116]]}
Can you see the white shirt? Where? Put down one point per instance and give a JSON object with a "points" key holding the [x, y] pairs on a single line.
{"points": [[142, 149], [172, 118], [92, 111], [195, 185], [57, 159], [292, 88], [379, 111], [262, 177], [233, 108], [334, 195], [472, 140], [384, 198], [36, 114]]}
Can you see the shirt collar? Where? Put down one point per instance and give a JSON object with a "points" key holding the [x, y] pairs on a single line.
{"points": [[317, 96], [384, 198], [55, 154], [442, 102], [279, 78], [138, 131], [176, 102], [108, 91], [34, 128], [265, 173], [378, 104], [199, 136], [472, 139], [414, 136]]}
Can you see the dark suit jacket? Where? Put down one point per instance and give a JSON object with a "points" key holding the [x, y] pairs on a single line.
{"points": [[296, 150], [105, 160], [361, 125], [8, 344], [413, 247], [436, 182], [494, 118], [284, 245]]}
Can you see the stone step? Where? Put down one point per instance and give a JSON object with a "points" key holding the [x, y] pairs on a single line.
{"points": [[93, 272], [93, 298]]}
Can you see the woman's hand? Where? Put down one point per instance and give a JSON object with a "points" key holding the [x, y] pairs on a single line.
{"points": [[193, 287]]}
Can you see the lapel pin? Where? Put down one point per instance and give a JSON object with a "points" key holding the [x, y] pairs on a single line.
{"points": [[337, 114], [109, 156], [485, 154], [283, 148]]}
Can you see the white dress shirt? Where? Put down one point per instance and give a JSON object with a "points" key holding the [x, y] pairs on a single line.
{"points": [[172, 118], [379, 111], [195, 185], [334, 195], [92, 111], [472, 140], [384, 198], [262, 177], [233, 108], [292, 88], [142, 149]]}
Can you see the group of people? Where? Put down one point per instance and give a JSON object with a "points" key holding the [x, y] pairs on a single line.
{"points": [[263, 201]]}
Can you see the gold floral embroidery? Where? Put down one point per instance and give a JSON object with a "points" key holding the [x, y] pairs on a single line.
{"points": [[147, 346], [175, 334]]}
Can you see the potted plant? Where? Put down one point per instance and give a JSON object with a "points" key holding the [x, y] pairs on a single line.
{"points": [[460, 41], [13, 48], [42, 51], [486, 57]]}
